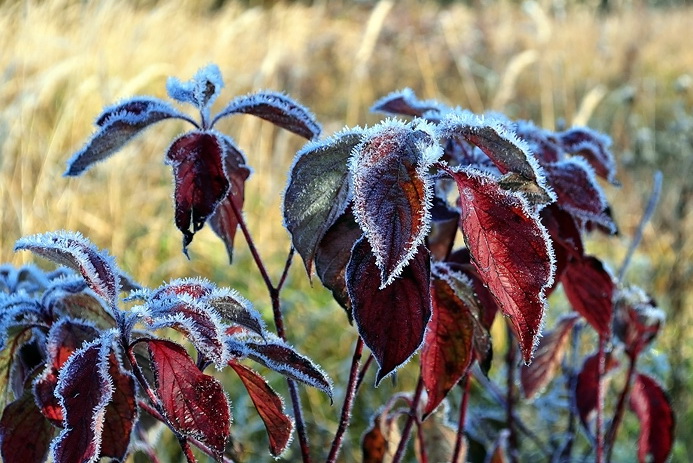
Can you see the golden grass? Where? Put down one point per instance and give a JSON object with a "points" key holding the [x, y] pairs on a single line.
{"points": [[61, 61]]}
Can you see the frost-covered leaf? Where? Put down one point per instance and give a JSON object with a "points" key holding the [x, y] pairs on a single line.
{"points": [[196, 288], [656, 416], [197, 159], [447, 350], [75, 251], [118, 124], [201, 90], [496, 139], [283, 359], [269, 406], [333, 254], [25, 435], [276, 108], [547, 357], [587, 385], [64, 338], [15, 338], [510, 250], [194, 403], [318, 191], [121, 413], [234, 308], [594, 147], [405, 103], [392, 320], [637, 320], [223, 220], [590, 289], [393, 192], [84, 391], [578, 192]]}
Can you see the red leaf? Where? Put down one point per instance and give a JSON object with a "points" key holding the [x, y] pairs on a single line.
{"points": [[578, 192], [318, 191], [25, 434], [594, 147], [392, 194], [276, 108], [333, 254], [121, 413], [201, 183], [589, 289], [547, 357], [269, 406], [118, 125], [587, 384], [391, 320], [285, 360], [510, 249], [84, 389], [447, 350], [64, 338], [405, 103], [637, 319], [193, 402], [653, 408], [75, 251], [224, 221]]}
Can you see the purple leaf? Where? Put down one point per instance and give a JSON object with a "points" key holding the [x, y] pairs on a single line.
{"points": [[510, 250], [194, 403], [283, 359], [201, 90], [224, 221], [447, 350], [587, 385], [589, 288], [637, 320], [234, 308], [25, 435], [75, 251], [656, 416], [201, 183], [393, 192], [118, 125], [276, 108], [269, 406], [548, 357], [121, 413], [594, 147], [197, 288], [318, 191], [64, 338], [495, 138], [405, 103], [84, 391], [392, 320], [578, 192]]}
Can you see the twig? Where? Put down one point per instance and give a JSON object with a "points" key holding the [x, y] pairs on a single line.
{"points": [[406, 432], [601, 359], [464, 384], [620, 408], [348, 402], [511, 365], [647, 215], [364, 370]]}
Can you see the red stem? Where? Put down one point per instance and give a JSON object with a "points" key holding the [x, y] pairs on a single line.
{"points": [[600, 400], [464, 384], [620, 409], [345, 417], [279, 324], [364, 369], [422, 444], [187, 451], [406, 432], [511, 396]]}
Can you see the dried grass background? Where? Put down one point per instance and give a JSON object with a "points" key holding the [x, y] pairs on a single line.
{"points": [[628, 73]]}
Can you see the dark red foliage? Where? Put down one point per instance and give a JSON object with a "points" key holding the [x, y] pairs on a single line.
{"points": [[653, 408], [121, 413], [587, 385], [590, 289], [25, 434], [194, 403], [201, 183], [391, 321], [269, 406]]}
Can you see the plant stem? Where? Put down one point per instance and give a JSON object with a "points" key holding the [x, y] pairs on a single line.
{"points": [[423, 457], [464, 384], [620, 408], [406, 432], [279, 325], [364, 369], [511, 396], [600, 400], [348, 402], [187, 451]]}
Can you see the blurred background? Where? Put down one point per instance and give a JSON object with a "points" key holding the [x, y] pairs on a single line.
{"points": [[622, 67]]}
